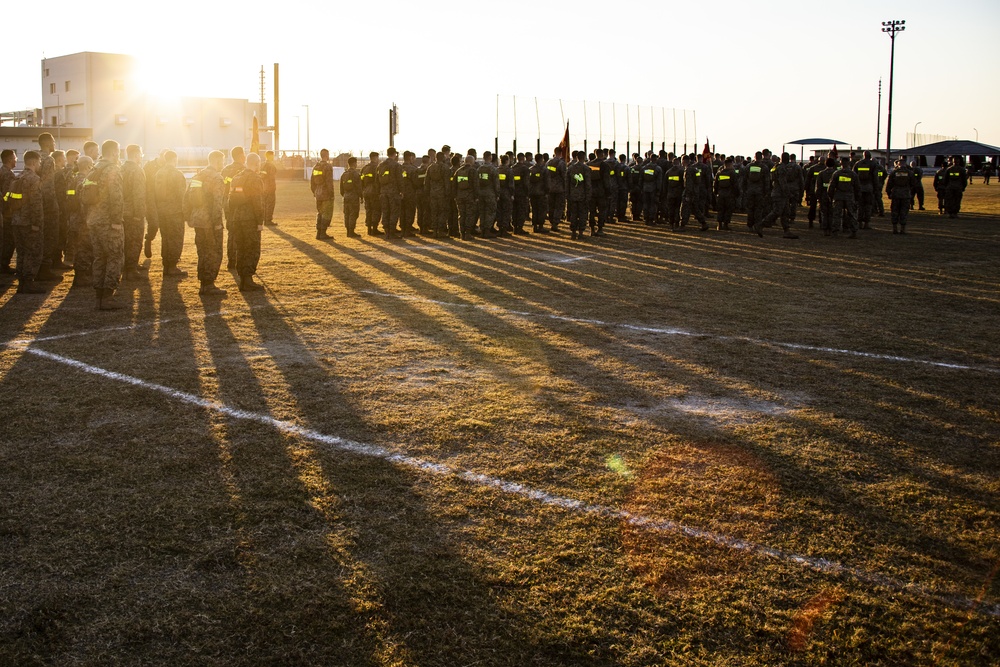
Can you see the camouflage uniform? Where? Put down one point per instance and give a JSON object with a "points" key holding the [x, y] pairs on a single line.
{"points": [[228, 173], [152, 223], [134, 215], [105, 224], [7, 237], [369, 189], [170, 187], [246, 218], [844, 192], [350, 190], [50, 204], [203, 211], [268, 177], [321, 185], [83, 250], [29, 223], [489, 190], [390, 194], [437, 185]]}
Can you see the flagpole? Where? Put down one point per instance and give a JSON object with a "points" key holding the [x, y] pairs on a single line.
{"points": [[586, 130], [628, 132], [674, 111], [600, 126], [538, 148], [694, 119], [663, 119], [514, 101], [684, 113], [652, 132]]}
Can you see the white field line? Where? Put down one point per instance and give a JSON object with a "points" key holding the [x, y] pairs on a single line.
{"points": [[560, 318], [513, 488], [683, 332]]}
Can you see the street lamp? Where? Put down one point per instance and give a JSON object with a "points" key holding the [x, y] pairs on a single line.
{"points": [[915, 132], [977, 134], [891, 28], [306, 161]]}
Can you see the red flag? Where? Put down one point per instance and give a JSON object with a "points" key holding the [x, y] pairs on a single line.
{"points": [[564, 144], [706, 152], [833, 153]]}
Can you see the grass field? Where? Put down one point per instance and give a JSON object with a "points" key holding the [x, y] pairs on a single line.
{"points": [[650, 449]]}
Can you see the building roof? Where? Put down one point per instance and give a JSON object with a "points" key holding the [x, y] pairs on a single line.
{"points": [[955, 147], [815, 141]]}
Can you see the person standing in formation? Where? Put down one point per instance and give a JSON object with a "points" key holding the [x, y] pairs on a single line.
{"points": [[105, 222], [899, 186], [579, 177], [239, 157], [268, 176], [28, 221], [170, 187], [8, 160], [134, 211], [321, 184], [844, 193], [246, 213], [369, 189], [389, 179], [203, 203], [83, 250], [350, 190]]}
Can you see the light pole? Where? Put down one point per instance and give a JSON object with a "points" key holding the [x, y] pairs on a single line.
{"points": [[915, 132], [891, 28], [977, 134], [306, 161]]}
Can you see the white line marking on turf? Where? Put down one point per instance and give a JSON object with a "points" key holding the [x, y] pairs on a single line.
{"points": [[693, 334], [513, 488]]}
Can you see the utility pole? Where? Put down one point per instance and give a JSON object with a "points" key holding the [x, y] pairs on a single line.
{"points": [[891, 28]]}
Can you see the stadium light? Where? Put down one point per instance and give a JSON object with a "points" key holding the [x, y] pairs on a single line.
{"points": [[891, 28]]}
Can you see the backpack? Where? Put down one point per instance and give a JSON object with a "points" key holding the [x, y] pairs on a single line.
{"points": [[90, 191], [13, 199], [195, 193], [317, 180]]}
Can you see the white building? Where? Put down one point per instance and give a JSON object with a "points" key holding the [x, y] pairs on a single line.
{"points": [[101, 92]]}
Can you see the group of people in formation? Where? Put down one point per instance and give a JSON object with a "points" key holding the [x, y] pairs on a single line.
{"points": [[94, 212], [90, 213], [447, 194]]}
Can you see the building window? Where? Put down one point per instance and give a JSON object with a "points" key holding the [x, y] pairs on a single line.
{"points": [[52, 89], [55, 121], [46, 71], [67, 86], [119, 84]]}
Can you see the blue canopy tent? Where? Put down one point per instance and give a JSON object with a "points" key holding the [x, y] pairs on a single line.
{"points": [[815, 141]]}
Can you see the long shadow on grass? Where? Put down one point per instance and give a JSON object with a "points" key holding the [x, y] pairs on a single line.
{"points": [[121, 523], [345, 549]]}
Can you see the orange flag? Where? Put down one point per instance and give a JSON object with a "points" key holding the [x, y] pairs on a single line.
{"points": [[255, 136], [564, 144]]}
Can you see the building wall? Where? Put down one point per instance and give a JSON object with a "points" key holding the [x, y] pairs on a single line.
{"points": [[101, 91]]}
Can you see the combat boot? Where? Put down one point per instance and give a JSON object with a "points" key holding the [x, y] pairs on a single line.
{"points": [[27, 286], [248, 285], [208, 288], [106, 300], [46, 276], [173, 271]]}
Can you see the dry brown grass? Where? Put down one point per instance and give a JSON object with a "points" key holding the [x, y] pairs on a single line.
{"points": [[138, 528]]}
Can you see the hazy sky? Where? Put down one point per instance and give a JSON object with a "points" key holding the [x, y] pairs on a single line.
{"points": [[754, 74]]}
